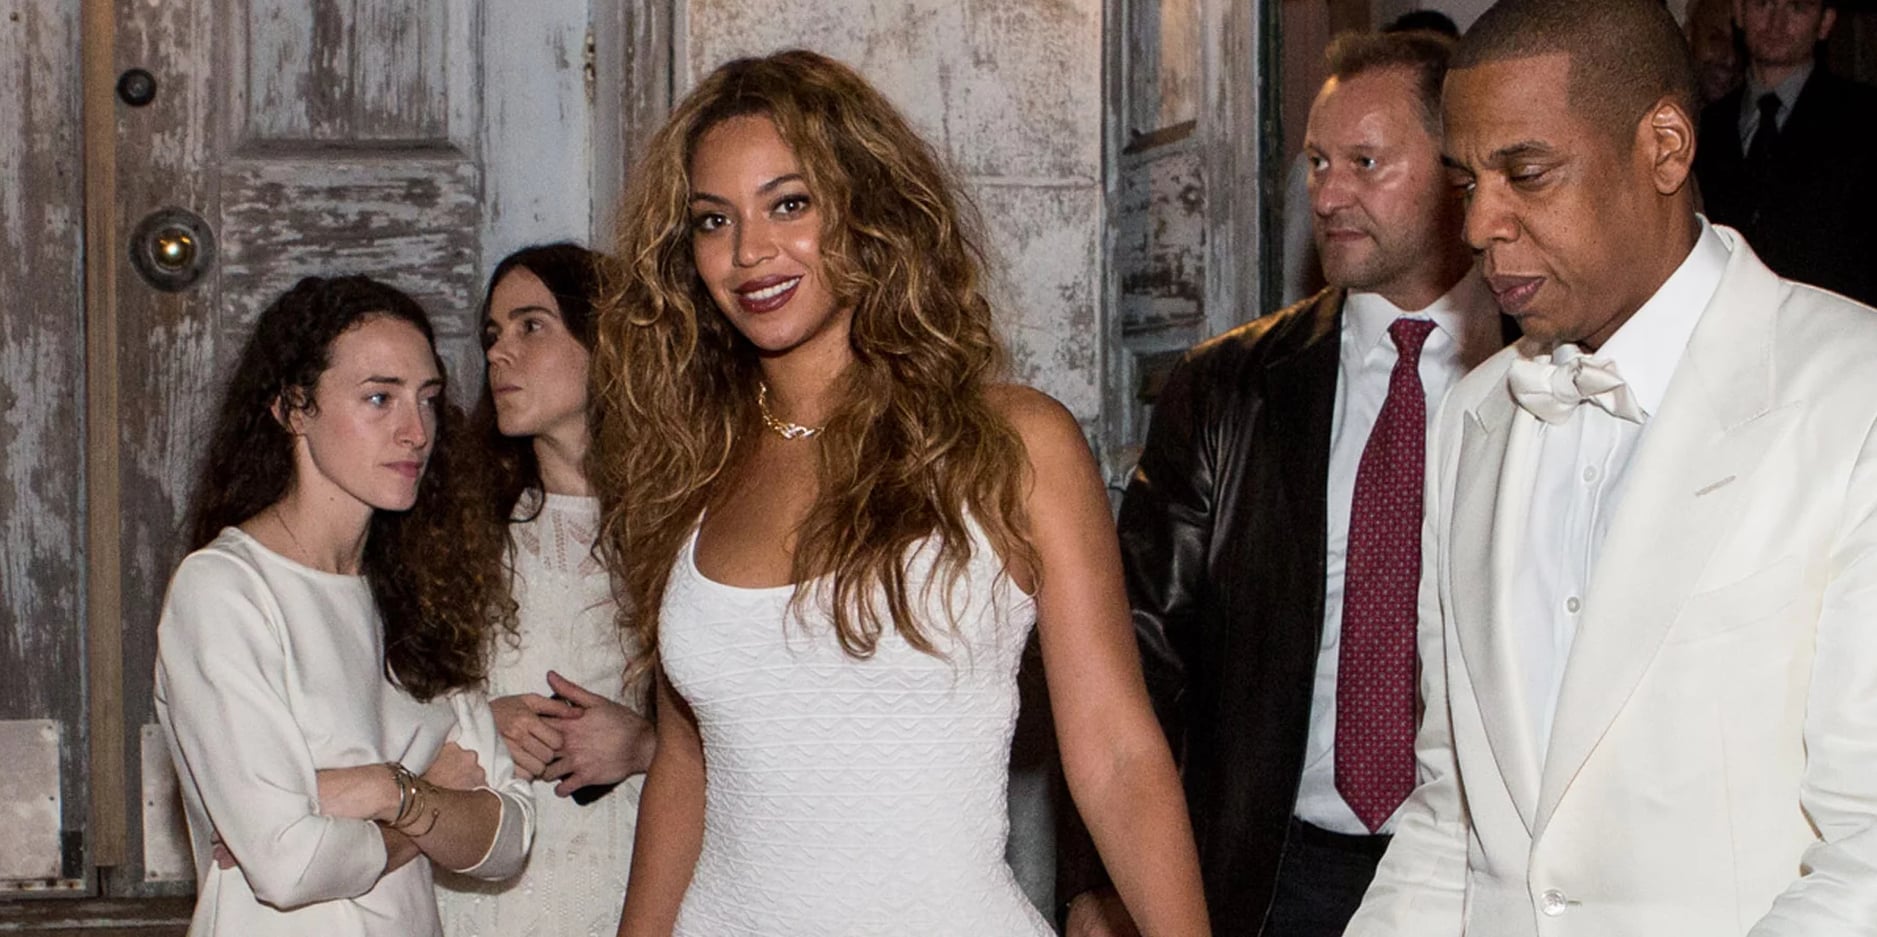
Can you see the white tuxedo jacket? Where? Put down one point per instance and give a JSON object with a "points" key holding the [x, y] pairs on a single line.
{"points": [[1712, 768]]}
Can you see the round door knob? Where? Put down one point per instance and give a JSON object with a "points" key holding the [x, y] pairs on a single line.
{"points": [[172, 248], [136, 87]]}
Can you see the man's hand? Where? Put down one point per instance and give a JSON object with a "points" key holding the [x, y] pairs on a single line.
{"points": [[602, 742]]}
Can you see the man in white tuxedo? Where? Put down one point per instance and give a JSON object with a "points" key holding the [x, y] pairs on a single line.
{"points": [[1648, 617]]}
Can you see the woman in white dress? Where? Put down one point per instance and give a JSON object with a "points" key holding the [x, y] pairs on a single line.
{"points": [[837, 532], [314, 656], [557, 668]]}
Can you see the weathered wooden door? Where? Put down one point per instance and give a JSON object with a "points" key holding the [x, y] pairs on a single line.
{"points": [[42, 447], [248, 143], [1191, 133]]}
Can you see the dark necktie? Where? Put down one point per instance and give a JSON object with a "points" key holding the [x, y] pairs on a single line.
{"points": [[1375, 659], [1761, 149]]}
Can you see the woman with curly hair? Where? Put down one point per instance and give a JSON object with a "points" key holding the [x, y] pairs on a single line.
{"points": [[837, 530], [316, 653], [557, 666]]}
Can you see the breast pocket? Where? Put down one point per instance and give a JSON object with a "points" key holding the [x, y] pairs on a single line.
{"points": [[1757, 597]]}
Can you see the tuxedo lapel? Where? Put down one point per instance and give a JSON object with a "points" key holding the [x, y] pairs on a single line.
{"points": [[1692, 464], [1492, 486]]}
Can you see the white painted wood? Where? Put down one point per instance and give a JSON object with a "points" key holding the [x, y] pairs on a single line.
{"points": [[537, 140], [167, 853], [29, 802]]}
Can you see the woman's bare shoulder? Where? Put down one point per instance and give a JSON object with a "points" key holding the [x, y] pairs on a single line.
{"points": [[1039, 419]]}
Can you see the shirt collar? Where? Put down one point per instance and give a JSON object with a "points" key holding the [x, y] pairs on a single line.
{"points": [[1648, 347], [1465, 313], [1788, 90]]}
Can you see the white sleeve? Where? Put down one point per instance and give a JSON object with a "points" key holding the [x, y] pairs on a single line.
{"points": [[1836, 892], [221, 667], [1420, 886], [475, 730]]}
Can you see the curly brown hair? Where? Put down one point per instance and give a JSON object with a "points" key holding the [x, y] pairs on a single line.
{"points": [[432, 607], [912, 450]]}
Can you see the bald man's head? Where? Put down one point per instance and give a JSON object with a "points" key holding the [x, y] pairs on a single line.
{"points": [[1626, 55]]}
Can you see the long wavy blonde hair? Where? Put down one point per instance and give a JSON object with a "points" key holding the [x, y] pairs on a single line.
{"points": [[912, 448]]}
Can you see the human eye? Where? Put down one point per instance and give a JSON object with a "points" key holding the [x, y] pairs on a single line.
{"points": [[707, 222], [1527, 176], [379, 399], [1317, 162], [1365, 162], [789, 206]]}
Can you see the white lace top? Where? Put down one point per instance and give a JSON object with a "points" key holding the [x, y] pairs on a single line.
{"points": [[575, 881], [849, 796]]}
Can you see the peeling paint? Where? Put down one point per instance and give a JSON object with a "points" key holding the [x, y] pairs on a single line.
{"points": [[1160, 247]]}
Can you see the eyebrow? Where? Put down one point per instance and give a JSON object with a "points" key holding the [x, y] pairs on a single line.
{"points": [[764, 189], [400, 382], [1524, 148], [519, 310]]}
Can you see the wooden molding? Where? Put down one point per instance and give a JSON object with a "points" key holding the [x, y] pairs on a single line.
{"points": [[104, 607]]}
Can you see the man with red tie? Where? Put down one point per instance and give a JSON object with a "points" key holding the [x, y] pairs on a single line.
{"points": [[1271, 532]]}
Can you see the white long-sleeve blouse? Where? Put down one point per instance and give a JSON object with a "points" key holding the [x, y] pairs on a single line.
{"points": [[268, 671]]}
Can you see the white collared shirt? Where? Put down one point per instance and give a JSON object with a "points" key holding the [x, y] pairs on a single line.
{"points": [[1579, 470], [1467, 330], [1788, 92]]}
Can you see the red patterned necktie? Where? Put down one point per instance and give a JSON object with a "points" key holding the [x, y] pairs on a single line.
{"points": [[1382, 577]]}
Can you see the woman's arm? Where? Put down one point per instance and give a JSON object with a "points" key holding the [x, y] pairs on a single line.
{"points": [[450, 814], [222, 699], [671, 822], [1114, 755]]}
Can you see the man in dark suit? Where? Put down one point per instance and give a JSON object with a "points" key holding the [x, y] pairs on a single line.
{"points": [[1271, 532], [1787, 158]]}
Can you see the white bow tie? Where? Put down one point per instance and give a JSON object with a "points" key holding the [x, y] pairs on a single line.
{"points": [[1552, 391]]}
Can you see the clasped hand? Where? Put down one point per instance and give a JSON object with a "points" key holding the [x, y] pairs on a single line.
{"points": [[577, 739]]}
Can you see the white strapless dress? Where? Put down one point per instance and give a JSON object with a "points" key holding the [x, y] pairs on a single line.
{"points": [[848, 796]]}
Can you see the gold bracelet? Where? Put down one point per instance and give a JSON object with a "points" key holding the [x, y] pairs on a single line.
{"points": [[423, 793], [407, 791]]}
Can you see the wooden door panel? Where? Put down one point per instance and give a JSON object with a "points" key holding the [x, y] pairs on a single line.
{"points": [[350, 71], [42, 409], [411, 222]]}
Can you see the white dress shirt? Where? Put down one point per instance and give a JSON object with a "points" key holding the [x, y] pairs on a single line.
{"points": [[1788, 92], [1578, 472], [1467, 330]]}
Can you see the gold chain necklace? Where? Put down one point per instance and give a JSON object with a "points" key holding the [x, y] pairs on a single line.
{"points": [[782, 428]]}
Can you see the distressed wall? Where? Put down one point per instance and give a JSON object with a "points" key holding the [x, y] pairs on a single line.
{"points": [[1011, 93]]}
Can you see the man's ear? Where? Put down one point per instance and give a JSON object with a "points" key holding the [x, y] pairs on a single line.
{"points": [[1666, 136], [1825, 22]]}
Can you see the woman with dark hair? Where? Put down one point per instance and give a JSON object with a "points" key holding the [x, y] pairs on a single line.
{"points": [[557, 666], [316, 651], [837, 528]]}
